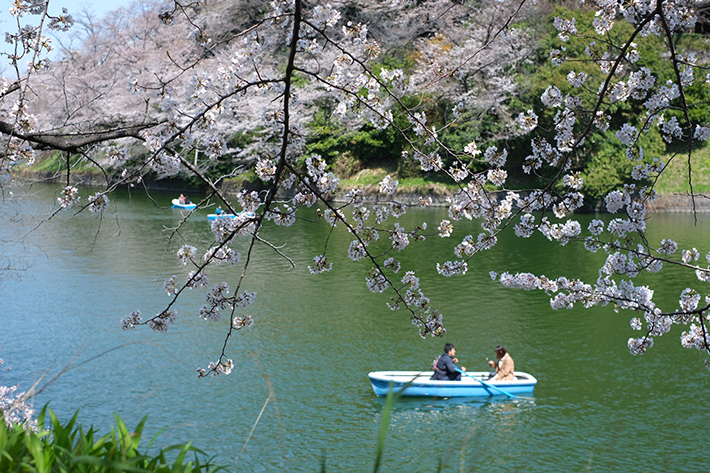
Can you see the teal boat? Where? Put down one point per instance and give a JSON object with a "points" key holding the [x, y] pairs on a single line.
{"points": [[212, 217]]}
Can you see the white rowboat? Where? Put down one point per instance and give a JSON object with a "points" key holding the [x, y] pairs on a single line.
{"points": [[419, 383], [178, 205]]}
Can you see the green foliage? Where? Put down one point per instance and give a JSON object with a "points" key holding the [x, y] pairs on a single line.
{"points": [[349, 151], [242, 139], [364, 146], [409, 168], [542, 72], [468, 128], [227, 164], [68, 448], [603, 164], [395, 58], [697, 94], [607, 167], [299, 80], [248, 177]]}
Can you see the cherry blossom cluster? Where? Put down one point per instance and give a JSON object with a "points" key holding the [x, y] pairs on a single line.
{"points": [[69, 197], [15, 410], [217, 300], [162, 321], [216, 368], [320, 265]]}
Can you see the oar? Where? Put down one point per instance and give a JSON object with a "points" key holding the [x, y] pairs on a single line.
{"points": [[487, 384]]}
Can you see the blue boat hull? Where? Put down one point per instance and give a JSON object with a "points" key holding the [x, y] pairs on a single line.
{"points": [[212, 217], [418, 383]]}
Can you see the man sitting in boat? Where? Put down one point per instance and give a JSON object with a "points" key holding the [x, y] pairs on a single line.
{"points": [[504, 365], [218, 210], [444, 367]]}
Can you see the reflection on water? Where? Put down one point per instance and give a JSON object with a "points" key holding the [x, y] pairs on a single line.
{"points": [[595, 408], [462, 427], [434, 403]]}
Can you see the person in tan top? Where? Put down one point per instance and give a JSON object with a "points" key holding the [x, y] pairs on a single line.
{"points": [[504, 365]]}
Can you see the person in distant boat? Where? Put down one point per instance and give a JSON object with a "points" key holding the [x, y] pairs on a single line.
{"points": [[444, 367], [218, 210], [182, 199], [504, 365]]}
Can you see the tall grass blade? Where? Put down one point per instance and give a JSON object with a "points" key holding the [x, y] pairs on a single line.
{"points": [[390, 401]]}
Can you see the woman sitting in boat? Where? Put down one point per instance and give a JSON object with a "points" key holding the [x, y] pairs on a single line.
{"points": [[444, 367], [504, 365]]}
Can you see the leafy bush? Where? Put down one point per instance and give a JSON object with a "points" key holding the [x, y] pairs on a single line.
{"points": [[366, 145], [68, 448]]}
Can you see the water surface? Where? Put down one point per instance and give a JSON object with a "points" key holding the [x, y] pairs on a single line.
{"points": [[315, 338]]}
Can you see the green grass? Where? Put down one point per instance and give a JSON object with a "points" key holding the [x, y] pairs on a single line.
{"points": [[58, 162], [675, 177], [369, 176], [373, 177]]}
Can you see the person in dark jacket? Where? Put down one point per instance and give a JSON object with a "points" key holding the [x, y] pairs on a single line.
{"points": [[445, 367]]}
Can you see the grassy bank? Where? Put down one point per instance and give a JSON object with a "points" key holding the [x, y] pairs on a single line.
{"points": [[675, 178]]}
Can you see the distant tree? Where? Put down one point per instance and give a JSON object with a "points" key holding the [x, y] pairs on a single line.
{"points": [[267, 75]]}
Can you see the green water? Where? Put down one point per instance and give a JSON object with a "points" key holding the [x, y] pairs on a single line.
{"points": [[315, 338]]}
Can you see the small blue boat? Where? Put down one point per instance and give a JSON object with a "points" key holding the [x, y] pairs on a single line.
{"points": [[212, 217], [468, 386], [178, 205]]}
